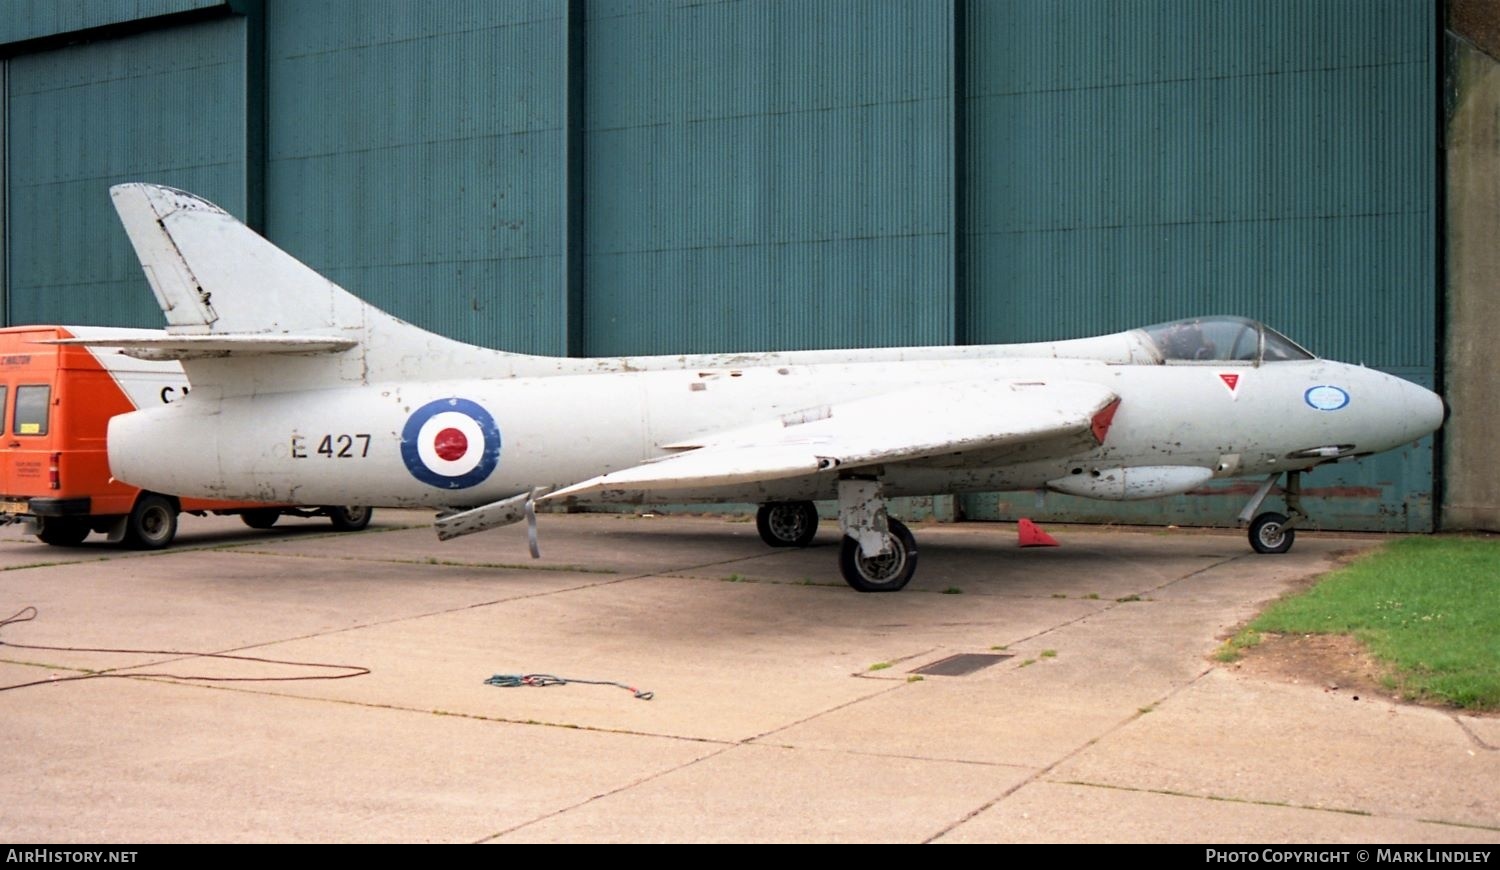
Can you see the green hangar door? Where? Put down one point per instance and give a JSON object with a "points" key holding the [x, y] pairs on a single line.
{"points": [[165, 105], [1273, 159]]}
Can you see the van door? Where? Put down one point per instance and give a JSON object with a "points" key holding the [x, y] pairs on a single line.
{"points": [[25, 458], [12, 503], [29, 437]]}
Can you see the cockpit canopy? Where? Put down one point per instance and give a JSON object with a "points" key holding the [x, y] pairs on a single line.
{"points": [[1221, 340]]}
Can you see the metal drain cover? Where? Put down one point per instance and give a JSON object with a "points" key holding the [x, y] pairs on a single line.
{"points": [[961, 665]]}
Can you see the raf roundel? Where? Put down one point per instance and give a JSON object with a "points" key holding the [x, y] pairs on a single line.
{"points": [[450, 444]]}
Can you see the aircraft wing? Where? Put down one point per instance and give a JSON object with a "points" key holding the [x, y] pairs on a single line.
{"points": [[916, 423]]}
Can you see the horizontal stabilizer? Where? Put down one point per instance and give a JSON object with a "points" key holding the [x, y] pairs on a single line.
{"points": [[163, 347]]}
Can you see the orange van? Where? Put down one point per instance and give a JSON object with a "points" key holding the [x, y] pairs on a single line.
{"points": [[55, 406]]}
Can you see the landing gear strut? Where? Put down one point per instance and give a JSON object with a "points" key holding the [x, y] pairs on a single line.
{"points": [[878, 553], [1271, 532]]}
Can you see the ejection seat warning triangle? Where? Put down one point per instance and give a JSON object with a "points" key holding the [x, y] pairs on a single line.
{"points": [[1231, 382]]}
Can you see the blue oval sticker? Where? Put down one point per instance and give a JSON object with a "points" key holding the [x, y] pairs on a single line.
{"points": [[1326, 397]]}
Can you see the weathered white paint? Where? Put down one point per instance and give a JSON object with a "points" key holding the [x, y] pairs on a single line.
{"points": [[755, 427], [1140, 481]]}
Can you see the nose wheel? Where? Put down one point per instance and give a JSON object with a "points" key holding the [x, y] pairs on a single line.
{"points": [[1271, 532]]}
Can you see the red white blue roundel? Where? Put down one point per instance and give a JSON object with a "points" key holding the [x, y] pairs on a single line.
{"points": [[450, 444]]}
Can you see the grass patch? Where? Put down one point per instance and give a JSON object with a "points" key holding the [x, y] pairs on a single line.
{"points": [[1429, 606], [1026, 663], [1127, 599], [1236, 646], [914, 678], [880, 666], [953, 590], [1049, 653]]}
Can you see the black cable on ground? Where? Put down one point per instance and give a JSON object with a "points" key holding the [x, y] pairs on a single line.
{"points": [[22, 616], [510, 681]]}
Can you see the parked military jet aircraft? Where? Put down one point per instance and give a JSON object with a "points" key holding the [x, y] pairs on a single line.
{"points": [[302, 393]]}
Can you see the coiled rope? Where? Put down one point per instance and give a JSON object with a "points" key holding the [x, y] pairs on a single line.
{"points": [[510, 681]]}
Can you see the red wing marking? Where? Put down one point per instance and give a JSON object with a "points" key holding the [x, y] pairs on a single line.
{"points": [[1103, 419]]}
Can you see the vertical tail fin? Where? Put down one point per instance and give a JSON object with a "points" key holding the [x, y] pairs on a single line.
{"points": [[213, 275], [222, 286]]}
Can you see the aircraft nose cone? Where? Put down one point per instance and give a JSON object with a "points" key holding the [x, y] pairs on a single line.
{"points": [[1426, 411]]}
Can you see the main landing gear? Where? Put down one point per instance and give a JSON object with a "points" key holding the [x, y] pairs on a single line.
{"points": [[787, 523], [1271, 532], [878, 552]]}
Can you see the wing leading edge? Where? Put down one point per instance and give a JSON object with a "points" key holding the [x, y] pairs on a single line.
{"points": [[903, 425]]}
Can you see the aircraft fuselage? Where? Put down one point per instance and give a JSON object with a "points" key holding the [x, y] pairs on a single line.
{"points": [[368, 445]]}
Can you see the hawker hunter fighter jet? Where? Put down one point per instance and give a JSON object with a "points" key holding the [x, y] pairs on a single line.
{"points": [[301, 393]]}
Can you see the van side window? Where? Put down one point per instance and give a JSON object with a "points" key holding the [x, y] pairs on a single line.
{"points": [[31, 410], [3, 389]]}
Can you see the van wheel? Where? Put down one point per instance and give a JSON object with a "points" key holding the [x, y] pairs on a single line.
{"points": [[261, 518], [63, 531], [347, 518], [152, 523]]}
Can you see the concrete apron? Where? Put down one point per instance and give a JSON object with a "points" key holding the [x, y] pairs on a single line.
{"points": [[785, 705]]}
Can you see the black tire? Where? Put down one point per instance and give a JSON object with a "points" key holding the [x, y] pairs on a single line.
{"points": [[260, 518], [63, 531], [152, 523], [1268, 535], [886, 573], [349, 518], [787, 523]]}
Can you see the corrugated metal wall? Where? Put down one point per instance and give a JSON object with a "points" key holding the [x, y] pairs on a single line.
{"points": [[651, 176], [1143, 161], [414, 155], [1139, 162], [34, 19], [165, 106], [768, 175]]}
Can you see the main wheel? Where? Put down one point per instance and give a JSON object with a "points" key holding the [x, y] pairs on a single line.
{"points": [[787, 523], [152, 523], [347, 518], [884, 573], [260, 518], [1268, 533], [63, 531]]}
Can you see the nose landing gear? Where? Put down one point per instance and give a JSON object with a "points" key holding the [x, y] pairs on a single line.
{"points": [[1271, 532]]}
